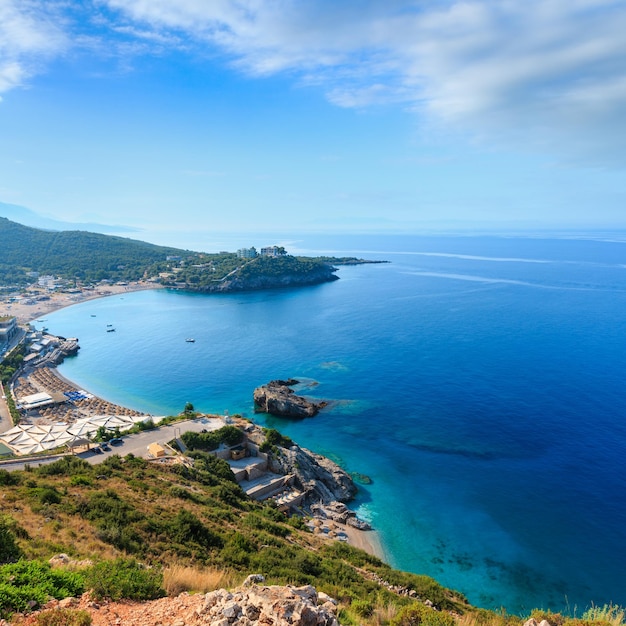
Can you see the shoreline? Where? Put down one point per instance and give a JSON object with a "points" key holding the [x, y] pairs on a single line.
{"points": [[367, 540], [29, 313]]}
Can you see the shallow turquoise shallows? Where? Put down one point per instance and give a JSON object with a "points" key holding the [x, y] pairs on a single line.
{"points": [[479, 382]]}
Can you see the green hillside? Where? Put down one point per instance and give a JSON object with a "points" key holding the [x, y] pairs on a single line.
{"points": [[128, 526], [166, 516], [74, 254]]}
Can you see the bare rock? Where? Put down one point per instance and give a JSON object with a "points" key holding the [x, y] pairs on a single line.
{"points": [[280, 606], [321, 479], [277, 398]]}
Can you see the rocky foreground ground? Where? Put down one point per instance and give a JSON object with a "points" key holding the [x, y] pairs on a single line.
{"points": [[251, 604]]}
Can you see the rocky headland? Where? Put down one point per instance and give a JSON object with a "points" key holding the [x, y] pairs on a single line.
{"points": [[270, 273], [277, 398]]}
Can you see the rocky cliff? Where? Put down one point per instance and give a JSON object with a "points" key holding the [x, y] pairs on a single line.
{"points": [[272, 274], [322, 479]]}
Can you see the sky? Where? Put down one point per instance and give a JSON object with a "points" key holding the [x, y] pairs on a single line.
{"points": [[180, 118]]}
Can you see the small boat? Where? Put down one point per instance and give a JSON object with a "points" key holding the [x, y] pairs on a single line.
{"points": [[109, 325], [190, 340], [92, 315], [110, 330]]}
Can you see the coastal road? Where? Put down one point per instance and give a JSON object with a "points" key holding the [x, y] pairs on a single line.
{"points": [[138, 444], [132, 444]]}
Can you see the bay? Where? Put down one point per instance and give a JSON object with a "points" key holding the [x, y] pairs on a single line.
{"points": [[479, 382]]}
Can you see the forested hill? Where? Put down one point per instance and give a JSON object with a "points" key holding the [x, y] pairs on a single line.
{"points": [[74, 254]]}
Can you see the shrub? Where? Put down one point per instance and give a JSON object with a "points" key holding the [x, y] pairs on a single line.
{"points": [[229, 435], [63, 617], [25, 582], [65, 466], [555, 619], [363, 608], [275, 438], [8, 478], [81, 481], [187, 528], [417, 614], [9, 550], [124, 579], [46, 495]]}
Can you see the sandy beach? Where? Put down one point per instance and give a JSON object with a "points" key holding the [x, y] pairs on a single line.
{"points": [[366, 540], [57, 300]]}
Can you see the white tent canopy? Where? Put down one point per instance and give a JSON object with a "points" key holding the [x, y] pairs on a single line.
{"points": [[31, 438]]}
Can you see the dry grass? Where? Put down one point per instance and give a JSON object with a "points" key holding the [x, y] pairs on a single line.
{"points": [[179, 578], [609, 613], [487, 618], [383, 614]]}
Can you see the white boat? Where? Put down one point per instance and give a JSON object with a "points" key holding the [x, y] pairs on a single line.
{"points": [[190, 340]]}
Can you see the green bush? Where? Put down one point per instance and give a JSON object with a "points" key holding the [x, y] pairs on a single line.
{"points": [[65, 466], [275, 438], [256, 521], [81, 481], [363, 608], [8, 478], [124, 579], [25, 582], [9, 550], [46, 495], [417, 614], [187, 528], [229, 435]]}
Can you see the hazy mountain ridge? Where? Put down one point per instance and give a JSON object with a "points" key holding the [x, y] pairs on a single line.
{"points": [[28, 217]]}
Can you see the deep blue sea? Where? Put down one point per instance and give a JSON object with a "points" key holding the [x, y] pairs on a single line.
{"points": [[479, 382]]}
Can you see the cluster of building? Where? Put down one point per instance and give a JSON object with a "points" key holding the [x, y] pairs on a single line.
{"points": [[251, 253], [8, 330]]}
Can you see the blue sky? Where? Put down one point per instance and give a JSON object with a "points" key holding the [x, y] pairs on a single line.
{"points": [[285, 116]]}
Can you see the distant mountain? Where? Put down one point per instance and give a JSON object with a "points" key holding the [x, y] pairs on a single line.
{"points": [[76, 254], [25, 216]]}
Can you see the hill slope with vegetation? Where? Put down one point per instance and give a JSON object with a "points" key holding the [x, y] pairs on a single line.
{"points": [[132, 529], [74, 254], [84, 257], [127, 510]]}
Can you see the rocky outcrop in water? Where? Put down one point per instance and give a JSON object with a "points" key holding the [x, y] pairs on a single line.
{"points": [[277, 398]]}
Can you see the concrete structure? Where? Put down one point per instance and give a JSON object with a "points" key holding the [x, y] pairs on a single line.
{"points": [[8, 329], [273, 251], [247, 253]]}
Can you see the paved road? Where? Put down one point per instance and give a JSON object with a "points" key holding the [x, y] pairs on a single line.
{"points": [[132, 444]]}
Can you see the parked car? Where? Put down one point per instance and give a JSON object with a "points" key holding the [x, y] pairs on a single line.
{"points": [[116, 441], [104, 446], [98, 450]]}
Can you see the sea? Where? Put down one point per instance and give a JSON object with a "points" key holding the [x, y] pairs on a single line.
{"points": [[478, 382]]}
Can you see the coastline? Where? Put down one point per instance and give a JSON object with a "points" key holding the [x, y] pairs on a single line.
{"points": [[28, 313], [367, 540]]}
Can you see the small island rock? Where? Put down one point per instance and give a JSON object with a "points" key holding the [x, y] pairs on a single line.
{"points": [[277, 398]]}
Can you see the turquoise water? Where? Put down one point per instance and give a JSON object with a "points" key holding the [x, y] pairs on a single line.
{"points": [[478, 381]]}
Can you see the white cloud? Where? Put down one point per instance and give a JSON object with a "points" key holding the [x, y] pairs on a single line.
{"points": [[29, 33], [538, 72], [547, 73]]}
